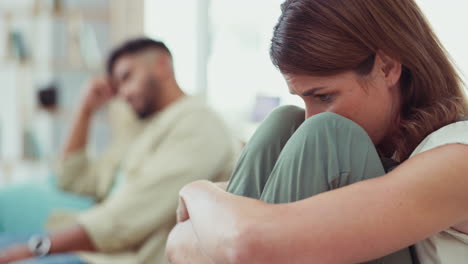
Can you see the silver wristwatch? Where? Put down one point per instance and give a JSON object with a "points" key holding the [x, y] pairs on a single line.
{"points": [[39, 245]]}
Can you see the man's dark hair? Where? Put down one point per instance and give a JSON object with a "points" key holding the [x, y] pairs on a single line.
{"points": [[132, 47]]}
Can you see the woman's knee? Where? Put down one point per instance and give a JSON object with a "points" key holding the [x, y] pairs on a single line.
{"points": [[279, 126], [287, 113], [343, 143], [331, 126], [329, 119], [284, 119], [328, 151]]}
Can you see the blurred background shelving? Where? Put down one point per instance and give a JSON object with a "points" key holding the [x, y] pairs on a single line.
{"points": [[53, 45]]}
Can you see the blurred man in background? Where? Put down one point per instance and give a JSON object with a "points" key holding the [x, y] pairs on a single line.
{"points": [[134, 187]]}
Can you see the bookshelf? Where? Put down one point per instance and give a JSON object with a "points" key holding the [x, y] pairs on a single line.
{"points": [[53, 42]]}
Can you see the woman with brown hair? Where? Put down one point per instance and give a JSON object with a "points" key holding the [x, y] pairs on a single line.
{"points": [[323, 185]]}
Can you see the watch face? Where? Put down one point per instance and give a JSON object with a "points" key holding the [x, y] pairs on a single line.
{"points": [[39, 245]]}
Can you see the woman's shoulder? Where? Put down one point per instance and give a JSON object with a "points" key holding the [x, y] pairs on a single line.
{"points": [[451, 134]]}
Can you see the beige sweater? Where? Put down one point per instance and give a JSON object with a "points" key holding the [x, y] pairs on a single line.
{"points": [[183, 143]]}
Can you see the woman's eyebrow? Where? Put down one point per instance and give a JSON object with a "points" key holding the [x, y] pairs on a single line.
{"points": [[312, 91], [308, 92]]}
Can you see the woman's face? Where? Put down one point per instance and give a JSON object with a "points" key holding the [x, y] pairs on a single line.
{"points": [[371, 101]]}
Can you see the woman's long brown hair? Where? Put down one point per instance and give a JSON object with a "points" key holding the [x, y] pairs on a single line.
{"points": [[326, 37]]}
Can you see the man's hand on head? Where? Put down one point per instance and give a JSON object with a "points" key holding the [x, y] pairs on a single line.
{"points": [[98, 92]]}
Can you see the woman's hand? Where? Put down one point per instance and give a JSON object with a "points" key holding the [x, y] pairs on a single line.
{"points": [[221, 221], [183, 246], [182, 212], [222, 185]]}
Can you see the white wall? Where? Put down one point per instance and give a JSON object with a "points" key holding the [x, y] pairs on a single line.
{"points": [[239, 67], [449, 18], [175, 23]]}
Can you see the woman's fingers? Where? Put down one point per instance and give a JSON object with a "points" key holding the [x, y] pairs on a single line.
{"points": [[182, 212]]}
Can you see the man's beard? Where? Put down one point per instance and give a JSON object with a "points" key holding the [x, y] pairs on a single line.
{"points": [[149, 107], [145, 113]]}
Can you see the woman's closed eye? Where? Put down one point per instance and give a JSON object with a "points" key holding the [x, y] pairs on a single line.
{"points": [[324, 97]]}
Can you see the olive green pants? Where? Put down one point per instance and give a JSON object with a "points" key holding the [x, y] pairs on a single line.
{"points": [[290, 159]]}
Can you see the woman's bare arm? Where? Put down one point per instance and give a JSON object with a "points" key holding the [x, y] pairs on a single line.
{"points": [[363, 221]]}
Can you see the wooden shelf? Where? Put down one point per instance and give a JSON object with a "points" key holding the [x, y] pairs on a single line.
{"points": [[50, 37], [86, 14], [63, 66]]}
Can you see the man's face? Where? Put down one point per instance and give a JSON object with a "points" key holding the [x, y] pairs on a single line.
{"points": [[137, 84]]}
